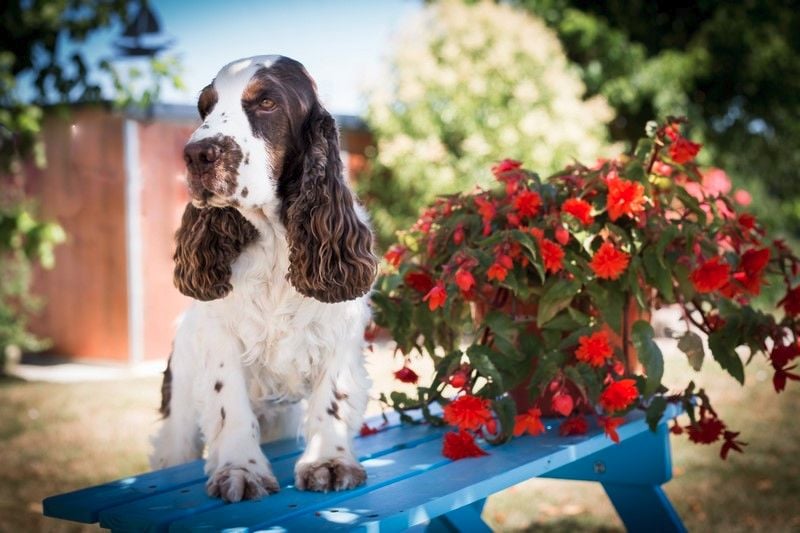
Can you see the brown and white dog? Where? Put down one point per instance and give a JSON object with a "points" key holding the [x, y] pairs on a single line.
{"points": [[278, 256]]}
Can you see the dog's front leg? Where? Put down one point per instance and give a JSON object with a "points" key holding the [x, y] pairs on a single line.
{"points": [[335, 413], [236, 467]]}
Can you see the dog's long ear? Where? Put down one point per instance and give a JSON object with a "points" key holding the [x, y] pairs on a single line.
{"points": [[330, 255], [208, 241]]}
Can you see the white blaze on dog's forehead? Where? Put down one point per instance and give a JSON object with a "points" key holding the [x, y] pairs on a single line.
{"points": [[240, 64]]}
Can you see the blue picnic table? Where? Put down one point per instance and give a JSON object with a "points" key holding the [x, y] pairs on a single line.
{"points": [[410, 485]]}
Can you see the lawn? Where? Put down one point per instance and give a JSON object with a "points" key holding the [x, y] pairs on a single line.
{"points": [[58, 437]]}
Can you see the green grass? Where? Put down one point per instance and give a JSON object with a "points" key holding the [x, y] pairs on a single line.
{"points": [[55, 438]]}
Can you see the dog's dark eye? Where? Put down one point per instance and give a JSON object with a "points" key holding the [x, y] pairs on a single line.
{"points": [[266, 104]]}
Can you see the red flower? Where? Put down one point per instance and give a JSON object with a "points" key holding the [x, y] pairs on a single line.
{"points": [[618, 395], [527, 203], [711, 275], [683, 150], [624, 198], [578, 208], [464, 279], [529, 422], [406, 375], [366, 430], [562, 403], [460, 445], [747, 221], [575, 425], [421, 282], [458, 235], [610, 426], [552, 255], [608, 262], [506, 165], [460, 377], [496, 272], [395, 255], [486, 208], [594, 349], [436, 296], [562, 235], [706, 430], [467, 412], [751, 269], [791, 302], [730, 443], [499, 269]]}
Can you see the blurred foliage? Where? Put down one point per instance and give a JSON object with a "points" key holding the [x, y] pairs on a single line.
{"points": [[24, 241], [732, 67], [42, 64], [468, 85]]}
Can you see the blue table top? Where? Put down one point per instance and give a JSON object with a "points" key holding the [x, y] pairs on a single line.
{"points": [[408, 483]]}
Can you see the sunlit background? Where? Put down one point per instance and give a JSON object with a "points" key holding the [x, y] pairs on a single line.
{"points": [[96, 103]]}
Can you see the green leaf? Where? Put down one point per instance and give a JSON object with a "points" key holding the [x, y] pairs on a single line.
{"points": [[655, 411], [692, 345], [609, 301], [480, 357], [506, 409], [555, 298], [723, 343], [649, 354], [657, 273]]}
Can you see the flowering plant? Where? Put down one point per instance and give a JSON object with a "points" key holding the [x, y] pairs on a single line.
{"points": [[529, 296]]}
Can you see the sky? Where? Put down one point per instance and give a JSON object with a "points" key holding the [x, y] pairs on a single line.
{"points": [[341, 43]]}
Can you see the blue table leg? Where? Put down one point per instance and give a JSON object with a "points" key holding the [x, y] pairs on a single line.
{"points": [[466, 519], [644, 508]]}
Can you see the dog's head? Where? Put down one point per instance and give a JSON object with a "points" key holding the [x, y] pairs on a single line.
{"points": [[267, 143]]}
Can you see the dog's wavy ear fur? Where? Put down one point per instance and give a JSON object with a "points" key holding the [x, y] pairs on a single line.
{"points": [[330, 256], [208, 241]]}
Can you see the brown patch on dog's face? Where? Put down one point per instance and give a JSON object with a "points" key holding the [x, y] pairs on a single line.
{"points": [[276, 103], [213, 165]]}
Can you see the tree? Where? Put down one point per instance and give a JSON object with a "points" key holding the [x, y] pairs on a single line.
{"points": [[732, 67], [33, 38], [468, 85]]}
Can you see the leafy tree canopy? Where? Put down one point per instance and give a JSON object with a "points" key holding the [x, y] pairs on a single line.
{"points": [[732, 67], [468, 85]]}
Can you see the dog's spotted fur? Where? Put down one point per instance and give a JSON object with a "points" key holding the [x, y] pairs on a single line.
{"points": [[277, 254]]}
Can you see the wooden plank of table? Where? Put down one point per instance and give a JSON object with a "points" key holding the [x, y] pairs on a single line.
{"points": [[84, 505], [157, 511]]}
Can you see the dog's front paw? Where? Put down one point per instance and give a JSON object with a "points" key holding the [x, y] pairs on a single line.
{"points": [[329, 474], [234, 483]]}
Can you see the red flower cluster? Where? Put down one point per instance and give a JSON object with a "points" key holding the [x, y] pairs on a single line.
{"points": [[618, 395], [468, 412], [608, 262], [529, 422], [636, 226], [681, 150], [576, 425], [625, 198], [436, 297], [711, 275], [610, 425], [420, 281], [460, 445], [406, 375], [527, 203], [580, 209], [594, 349]]}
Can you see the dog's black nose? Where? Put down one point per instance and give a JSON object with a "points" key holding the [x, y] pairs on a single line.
{"points": [[200, 155]]}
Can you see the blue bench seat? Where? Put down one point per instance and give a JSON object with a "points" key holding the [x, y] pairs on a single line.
{"points": [[410, 485]]}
